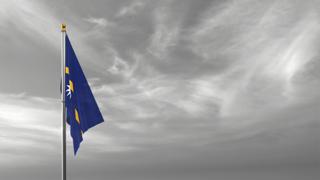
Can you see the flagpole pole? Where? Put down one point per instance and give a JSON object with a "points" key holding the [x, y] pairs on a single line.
{"points": [[63, 96]]}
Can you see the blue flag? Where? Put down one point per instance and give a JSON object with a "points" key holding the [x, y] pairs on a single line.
{"points": [[81, 107]]}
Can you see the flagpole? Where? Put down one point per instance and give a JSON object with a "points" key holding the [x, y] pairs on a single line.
{"points": [[63, 60]]}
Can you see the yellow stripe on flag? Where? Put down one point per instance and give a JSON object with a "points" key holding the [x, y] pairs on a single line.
{"points": [[77, 116], [67, 70], [71, 85]]}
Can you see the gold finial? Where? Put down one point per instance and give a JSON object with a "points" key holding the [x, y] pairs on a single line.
{"points": [[63, 27]]}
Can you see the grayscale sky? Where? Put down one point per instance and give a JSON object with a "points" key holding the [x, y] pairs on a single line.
{"points": [[189, 89]]}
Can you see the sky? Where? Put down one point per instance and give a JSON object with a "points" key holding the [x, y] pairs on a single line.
{"points": [[188, 89]]}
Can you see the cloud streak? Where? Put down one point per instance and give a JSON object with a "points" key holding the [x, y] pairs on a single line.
{"points": [[203, 87]]}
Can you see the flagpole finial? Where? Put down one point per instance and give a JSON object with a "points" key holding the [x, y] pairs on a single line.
{"points": [[63, 27]]}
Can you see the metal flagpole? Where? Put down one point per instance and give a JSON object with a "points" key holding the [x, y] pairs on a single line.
{"points": [[63, 96]]}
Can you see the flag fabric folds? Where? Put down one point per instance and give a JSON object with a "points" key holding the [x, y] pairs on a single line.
{"points": [[82, 111]]}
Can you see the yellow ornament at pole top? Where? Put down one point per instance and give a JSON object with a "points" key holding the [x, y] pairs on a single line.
{"points": [[63, 27]]}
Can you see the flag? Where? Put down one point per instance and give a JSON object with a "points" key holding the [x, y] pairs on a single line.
{"points": [[82, 111]]}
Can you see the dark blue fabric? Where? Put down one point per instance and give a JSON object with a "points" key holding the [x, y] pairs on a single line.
{"points": [[80, 99]]}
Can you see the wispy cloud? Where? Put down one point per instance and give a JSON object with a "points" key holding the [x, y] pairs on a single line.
{"points": [[165, 34], [33, 18], [28, 125], [100, 22], [130, 9], [256, 53], [220, 84]]}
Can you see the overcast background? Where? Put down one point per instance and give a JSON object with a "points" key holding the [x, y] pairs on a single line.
{"points": [[189, 89]]}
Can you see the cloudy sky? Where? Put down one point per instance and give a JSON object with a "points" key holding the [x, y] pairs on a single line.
{"points": [[189, 89]]}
